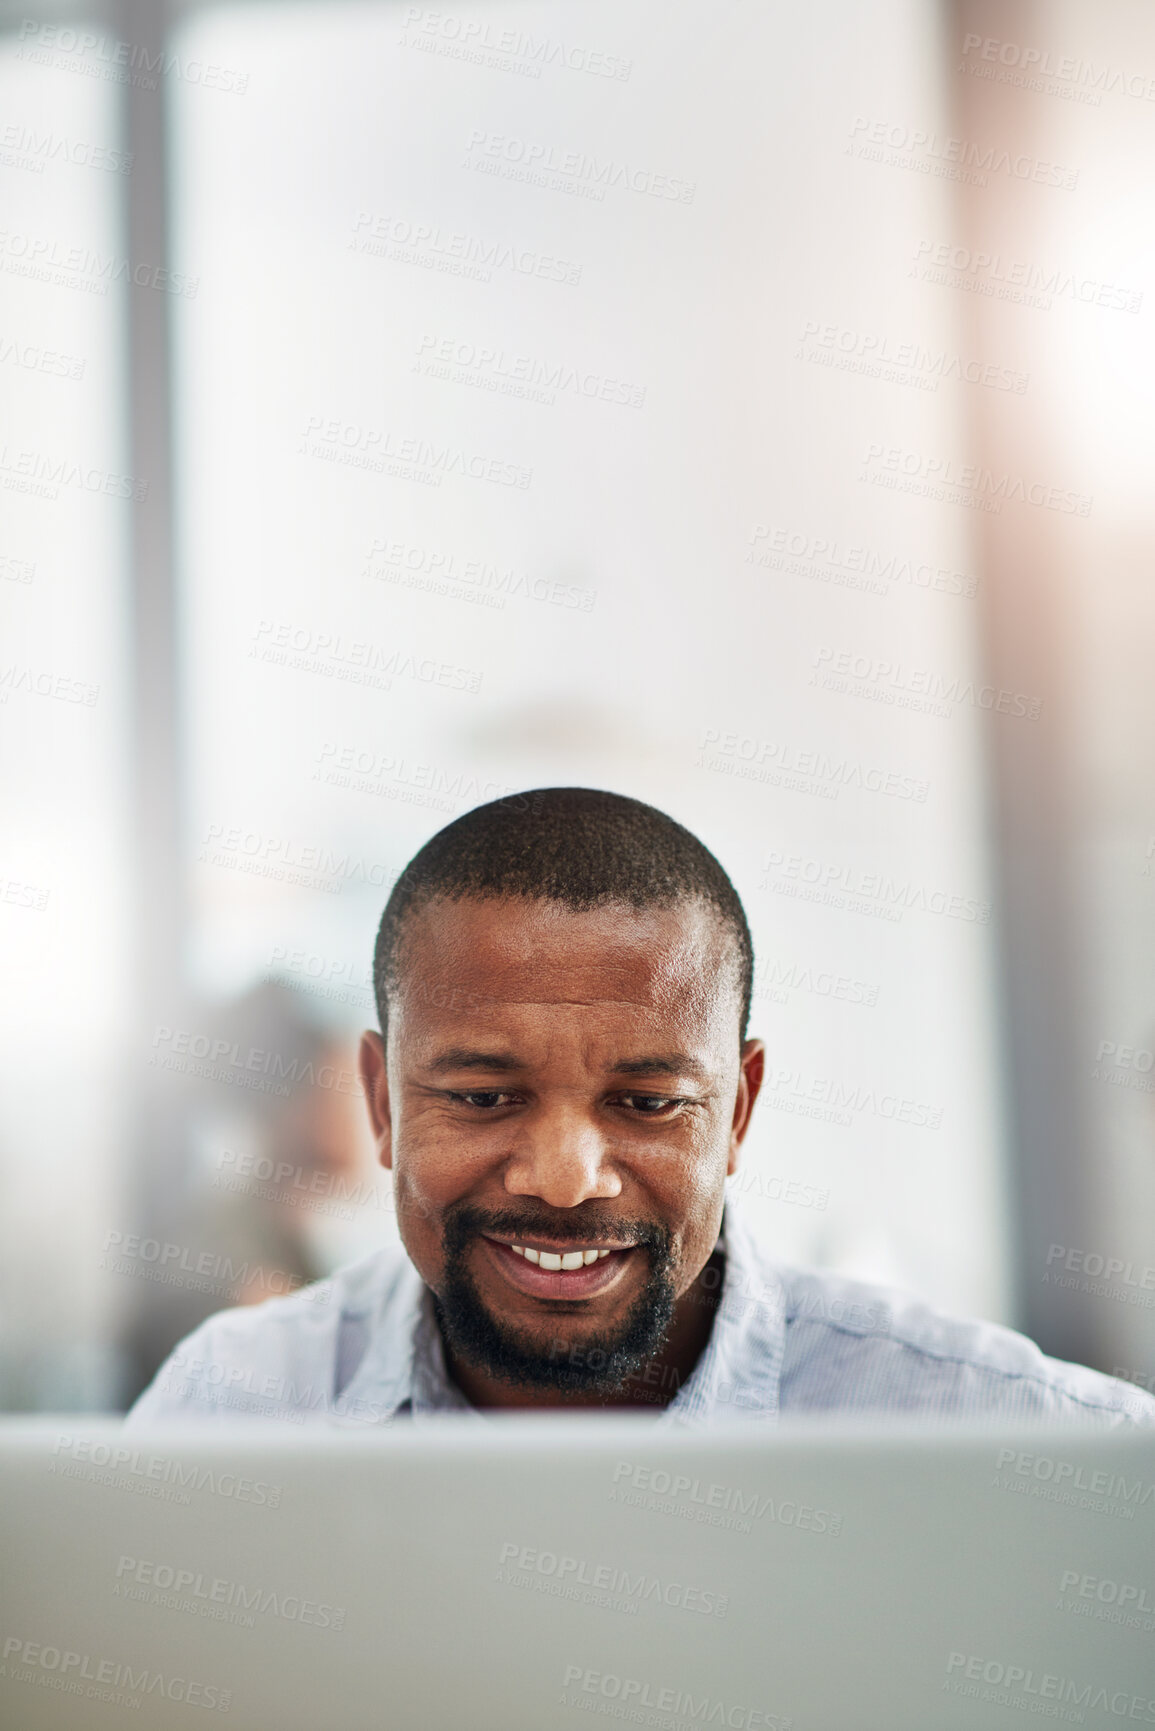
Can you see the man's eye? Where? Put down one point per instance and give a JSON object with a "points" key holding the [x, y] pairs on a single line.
{"points": [[485, 1099], [649, 1104]]}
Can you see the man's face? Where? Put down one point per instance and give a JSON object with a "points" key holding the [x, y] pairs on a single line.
{"points": [[561, 1085]]}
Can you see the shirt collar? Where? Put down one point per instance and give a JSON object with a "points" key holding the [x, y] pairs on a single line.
{"points": [[739, 1372], [740, 1369]]}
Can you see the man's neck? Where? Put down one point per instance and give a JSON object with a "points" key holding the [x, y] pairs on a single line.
{"points": [[654, 1385]]}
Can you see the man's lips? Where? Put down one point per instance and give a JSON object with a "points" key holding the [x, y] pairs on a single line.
{"points": [[538, 1282]]}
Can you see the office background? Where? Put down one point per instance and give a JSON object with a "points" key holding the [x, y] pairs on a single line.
{"points": [[745, 408]]}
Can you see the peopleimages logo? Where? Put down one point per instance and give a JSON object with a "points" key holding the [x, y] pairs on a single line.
{"points": [[440, 572], [211, 1381], [177, 1589], [776, 1189], [607, 1585], [413, 782], [591, 1689], [1105, 1600], [122, 1467], [872, 893], [1072, 1483], [1110, 1268], [965, 483], [17, 570], [80, 267], [247, 1173], [39, 473], [776, 980], [1017, 280], [505, 49], [788, 1089], [826, 559], [208, 1271], [31, 358], [571, 171], [358, 661], [877, 356], [1104, 1276], [952, 158], [716, 1505], [1129, 1066], [777, 764], [1007, 1684], [526, 377], [37, 148], [1032, 66], [226, 1062], [14, 892], [28, 1661], [382, 235], [382, 451], [105, 57], [309, 864], [881, 680], [41, 683]]}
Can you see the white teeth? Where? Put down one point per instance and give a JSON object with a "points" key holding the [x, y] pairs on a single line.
{"points": [[554, 1260]]}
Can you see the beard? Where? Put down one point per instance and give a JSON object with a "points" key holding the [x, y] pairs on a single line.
{"points": [[589, 1363]]}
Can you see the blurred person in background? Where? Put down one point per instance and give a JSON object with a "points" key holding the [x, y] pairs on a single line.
{"points": [[276, 1167]]}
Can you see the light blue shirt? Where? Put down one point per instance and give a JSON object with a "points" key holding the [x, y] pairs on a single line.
{"points": [[363, 1348]]}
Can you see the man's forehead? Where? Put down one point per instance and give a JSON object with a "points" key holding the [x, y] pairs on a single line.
{"points": [[521, 950]]}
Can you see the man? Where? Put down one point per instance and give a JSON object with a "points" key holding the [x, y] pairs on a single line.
{"points": [[561, 1085]]}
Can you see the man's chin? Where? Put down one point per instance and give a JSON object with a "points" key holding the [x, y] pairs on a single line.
{"points": [[565, 1360], [569, 1350]]}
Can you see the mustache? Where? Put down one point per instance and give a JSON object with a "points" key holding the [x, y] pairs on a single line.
{"points": [[588, 1221]]}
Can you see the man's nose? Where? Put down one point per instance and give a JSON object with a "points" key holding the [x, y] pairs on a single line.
{"points": [[563, 1159]]}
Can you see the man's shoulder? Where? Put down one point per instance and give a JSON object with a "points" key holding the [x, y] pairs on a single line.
{"points": [[276, 1358], [355, 1289], [858, 1343]]}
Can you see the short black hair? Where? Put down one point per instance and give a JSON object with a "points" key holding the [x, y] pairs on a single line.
{"points": [[579, 846]]}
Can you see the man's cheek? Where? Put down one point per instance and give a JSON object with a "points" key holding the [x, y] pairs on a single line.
{"points": [[419, 1220]]}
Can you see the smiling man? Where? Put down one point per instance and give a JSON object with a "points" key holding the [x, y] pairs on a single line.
{"points": [[561, 1086]]}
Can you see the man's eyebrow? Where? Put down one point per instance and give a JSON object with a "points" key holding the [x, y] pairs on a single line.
{"points": [[465, 1058], [663, 1064]]}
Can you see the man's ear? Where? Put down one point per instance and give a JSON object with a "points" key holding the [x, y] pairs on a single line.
{"points": [[749, 1084], [375, 1081]]}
